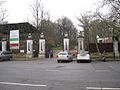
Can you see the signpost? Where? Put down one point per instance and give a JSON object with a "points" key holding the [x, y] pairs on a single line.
{"points": [[14, 39]]}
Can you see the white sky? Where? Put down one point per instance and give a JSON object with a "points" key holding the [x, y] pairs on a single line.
{"points": [[19, 10]]}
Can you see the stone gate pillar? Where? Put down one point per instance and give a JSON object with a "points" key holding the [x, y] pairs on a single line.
{"points": [[29, 46], [115, 47], [42, 46], [80, 42], [4, 44], [66, 42]]}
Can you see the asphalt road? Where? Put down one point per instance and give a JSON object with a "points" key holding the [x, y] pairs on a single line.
{"points": [[50, 75]]}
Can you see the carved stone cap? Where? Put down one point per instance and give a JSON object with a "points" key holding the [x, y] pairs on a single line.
{"points": [[3, 39], [42, 35], [66, 35], [30, 36], [80, 34]]}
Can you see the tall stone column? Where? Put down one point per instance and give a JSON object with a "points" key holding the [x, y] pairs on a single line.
{"points": [[80, 42], [66, 42], [42, 46], [4, 44], [115, 47], [29, 46]]}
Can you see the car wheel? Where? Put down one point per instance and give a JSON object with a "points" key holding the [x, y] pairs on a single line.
{"points": [[10, 59], [59, 61], [90, 61], [78, 61]]}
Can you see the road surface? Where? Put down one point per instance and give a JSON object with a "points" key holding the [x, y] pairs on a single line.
{"points": [[49, 75]]}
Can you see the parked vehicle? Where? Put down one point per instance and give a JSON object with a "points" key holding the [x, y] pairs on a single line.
{"points": [[83, 57], [64, 56], [5, 55]]}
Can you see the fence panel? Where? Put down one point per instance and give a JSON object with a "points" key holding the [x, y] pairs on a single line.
{"points": [[107, 47]]}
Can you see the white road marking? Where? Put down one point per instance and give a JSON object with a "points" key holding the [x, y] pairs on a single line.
{"points": [[102, 70], [53, 70], [93, 88], [78, 70], [110, 66], [21, 84], [110, 88], [99, 88]]}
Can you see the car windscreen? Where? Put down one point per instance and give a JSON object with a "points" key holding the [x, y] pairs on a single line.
{"points": [[63, 53], [6, 52]]}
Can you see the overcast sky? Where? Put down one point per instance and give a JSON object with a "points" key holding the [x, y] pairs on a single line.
{"points": [[19, 10]]}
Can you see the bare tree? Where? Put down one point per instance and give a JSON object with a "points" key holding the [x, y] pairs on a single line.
{"points": [[113, 17], [84, 22], [3, 14], [38, 13], [114, 7], [93, 26], [65, 25]]}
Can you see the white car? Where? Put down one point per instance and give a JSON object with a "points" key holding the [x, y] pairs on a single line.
{"points": [[6, 55], [64, 56], [83, 57]]}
